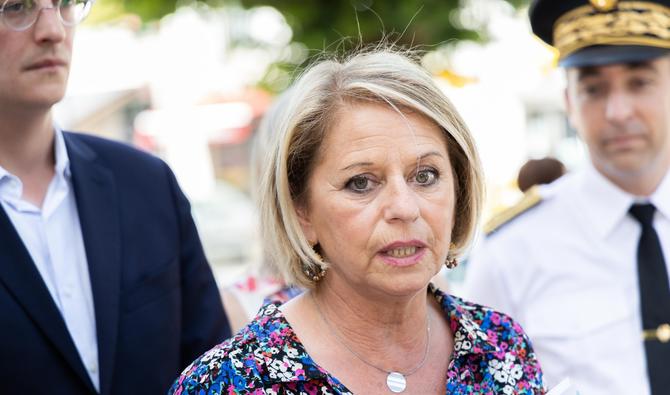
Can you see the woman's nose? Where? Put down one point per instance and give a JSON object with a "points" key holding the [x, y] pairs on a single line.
{"points": [[400, 201]]}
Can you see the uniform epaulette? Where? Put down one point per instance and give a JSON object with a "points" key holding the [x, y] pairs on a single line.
{"points": [[529, 200]]}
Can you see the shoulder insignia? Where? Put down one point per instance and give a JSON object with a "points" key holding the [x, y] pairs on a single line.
{"points": [[529, 200]]}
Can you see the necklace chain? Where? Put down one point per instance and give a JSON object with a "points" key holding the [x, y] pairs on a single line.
{"points": [[334, 332]]}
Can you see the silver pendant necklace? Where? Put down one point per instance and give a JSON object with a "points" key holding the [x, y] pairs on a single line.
{"points": [[395, 381]]}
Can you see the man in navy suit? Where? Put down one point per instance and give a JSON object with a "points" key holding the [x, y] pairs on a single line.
{"points": [[104, 286]]}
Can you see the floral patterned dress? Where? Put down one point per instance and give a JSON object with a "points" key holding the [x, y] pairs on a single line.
{"points": [[492, 355]]}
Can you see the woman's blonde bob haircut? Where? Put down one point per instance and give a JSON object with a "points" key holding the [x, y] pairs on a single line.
{"points": [[382, 76]]}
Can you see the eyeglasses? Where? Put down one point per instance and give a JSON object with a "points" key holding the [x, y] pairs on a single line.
{"points": [[19, 15]]}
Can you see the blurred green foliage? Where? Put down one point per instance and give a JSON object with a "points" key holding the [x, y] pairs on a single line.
{"points": [[329, 25], [321, 23], [148, 10]]}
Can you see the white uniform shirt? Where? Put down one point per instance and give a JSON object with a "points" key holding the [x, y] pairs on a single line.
{"points": [[52, 235], [566, 270]]}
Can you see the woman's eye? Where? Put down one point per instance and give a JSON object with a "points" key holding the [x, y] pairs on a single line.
{"points": [[426, 177], [359, 184]]}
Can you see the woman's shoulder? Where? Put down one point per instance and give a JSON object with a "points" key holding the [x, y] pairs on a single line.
{"points": [[237, 363], [476, 316], [492, 343], [486, 317]]}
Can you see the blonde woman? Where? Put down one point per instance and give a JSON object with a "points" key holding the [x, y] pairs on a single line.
{"points": [[375, 185]]}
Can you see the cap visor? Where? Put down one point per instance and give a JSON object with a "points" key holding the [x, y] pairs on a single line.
{"points": [[600, 55]]}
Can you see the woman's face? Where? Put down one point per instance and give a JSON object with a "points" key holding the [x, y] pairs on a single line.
{"points": [[380, 200]]}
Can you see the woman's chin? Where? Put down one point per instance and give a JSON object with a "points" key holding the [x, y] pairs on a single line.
{"points": [[404, 286]]}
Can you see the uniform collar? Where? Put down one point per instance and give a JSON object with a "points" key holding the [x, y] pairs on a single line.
{"points": [[603, 204], [604, 214], [661, 197]]}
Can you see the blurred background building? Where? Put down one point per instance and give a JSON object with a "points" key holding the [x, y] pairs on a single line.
{"points": [[189, 81]]}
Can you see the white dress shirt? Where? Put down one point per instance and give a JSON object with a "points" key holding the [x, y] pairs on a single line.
{"points": [[567, 271], [52, 235]]}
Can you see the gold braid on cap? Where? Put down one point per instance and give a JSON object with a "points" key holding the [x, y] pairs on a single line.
{"points": [[604, 5], [613, 23]]}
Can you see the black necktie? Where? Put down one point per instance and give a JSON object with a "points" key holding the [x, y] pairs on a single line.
{"points": [[654, 298]]}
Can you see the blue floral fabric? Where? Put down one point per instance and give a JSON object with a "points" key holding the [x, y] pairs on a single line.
{"points": [[492, 355]]}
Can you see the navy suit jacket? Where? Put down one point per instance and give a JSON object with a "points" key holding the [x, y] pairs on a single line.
{"points": [[157, 306]]}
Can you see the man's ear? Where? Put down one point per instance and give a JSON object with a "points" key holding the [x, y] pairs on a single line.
{"points": [[306, 224]]}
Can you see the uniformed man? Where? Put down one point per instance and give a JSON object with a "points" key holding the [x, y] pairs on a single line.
{"points": [[584, 267]]}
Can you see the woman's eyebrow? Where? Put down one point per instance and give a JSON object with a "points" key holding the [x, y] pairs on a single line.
{"points": [[368, 164], [429, 154], [355, 165]]}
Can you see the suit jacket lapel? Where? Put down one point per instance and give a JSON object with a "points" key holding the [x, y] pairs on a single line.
{"points": [[23, 280], [95, 191]]}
